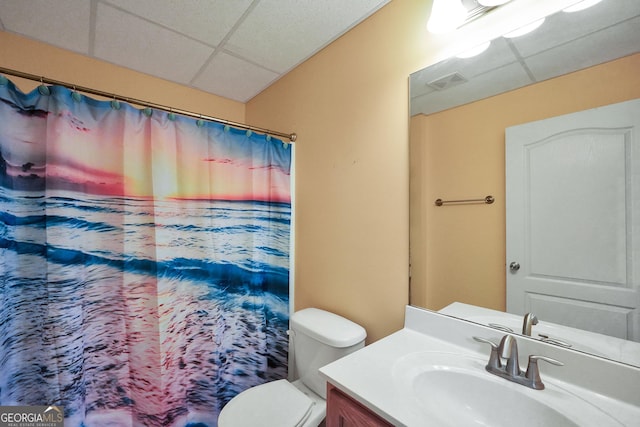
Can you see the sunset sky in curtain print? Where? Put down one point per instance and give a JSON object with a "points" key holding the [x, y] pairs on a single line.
{"points": [[107, 151]]}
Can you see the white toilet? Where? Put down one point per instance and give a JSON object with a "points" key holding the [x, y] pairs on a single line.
{"points": [[317, 338]]}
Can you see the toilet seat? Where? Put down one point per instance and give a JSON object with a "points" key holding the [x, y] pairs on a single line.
{"points": [[274, 404]]}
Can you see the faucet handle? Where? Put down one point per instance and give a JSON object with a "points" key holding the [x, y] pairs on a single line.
{"points": [[494, 357], [533, 373], [486, 341], [554, 341], [500, 327]]}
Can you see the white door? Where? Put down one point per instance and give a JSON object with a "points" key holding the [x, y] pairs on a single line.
{"points": [[573, 219]]}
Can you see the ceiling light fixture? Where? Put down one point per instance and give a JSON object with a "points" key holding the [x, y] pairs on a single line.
{"points": [[581, 5], [446, 15], [491, 3], [525, 29]]}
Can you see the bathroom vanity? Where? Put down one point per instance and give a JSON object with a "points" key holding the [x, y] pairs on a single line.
{"points": [[344, 411], [433, 372]]}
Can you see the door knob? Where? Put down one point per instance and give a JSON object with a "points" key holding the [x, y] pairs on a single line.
{"points": [[514, 266]]}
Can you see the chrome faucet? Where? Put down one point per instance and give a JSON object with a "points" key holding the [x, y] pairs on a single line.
{"points": [[508, 349], [530, 319]]}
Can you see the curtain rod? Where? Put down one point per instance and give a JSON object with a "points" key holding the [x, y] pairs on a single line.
{"points": [[290, 136]]}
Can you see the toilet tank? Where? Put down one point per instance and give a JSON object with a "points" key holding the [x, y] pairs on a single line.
{"points": [[319, 338]]}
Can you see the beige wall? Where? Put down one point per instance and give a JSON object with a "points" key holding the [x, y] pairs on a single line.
{"points": [[349, 107], [460, 154]]}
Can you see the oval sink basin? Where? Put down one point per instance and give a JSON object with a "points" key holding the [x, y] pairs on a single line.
{"points": [[455, 390]]}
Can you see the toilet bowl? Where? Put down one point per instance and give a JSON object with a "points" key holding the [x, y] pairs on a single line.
{"points": [[317, 337]]}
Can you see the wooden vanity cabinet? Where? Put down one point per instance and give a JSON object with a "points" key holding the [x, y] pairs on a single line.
{"points": [[343, 411]]}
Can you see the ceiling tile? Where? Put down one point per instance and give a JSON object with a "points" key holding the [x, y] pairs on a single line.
{"points": [[234, 78], [612, 42], [192, 42], [206, 20], [66, 25], [565, 27], [125, 39], [279, 36]]}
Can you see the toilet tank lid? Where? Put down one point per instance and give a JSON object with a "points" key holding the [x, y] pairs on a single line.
{"points": [[328, 328]]}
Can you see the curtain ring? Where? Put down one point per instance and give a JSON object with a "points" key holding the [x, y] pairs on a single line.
{"points": [[43, 89], [75, 95], [115, 104]]}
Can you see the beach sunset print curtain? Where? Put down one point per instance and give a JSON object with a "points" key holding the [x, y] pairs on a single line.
{"points": [[144, 260]]}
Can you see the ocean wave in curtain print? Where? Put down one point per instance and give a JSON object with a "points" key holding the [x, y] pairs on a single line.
{"points": [[144, 260]]}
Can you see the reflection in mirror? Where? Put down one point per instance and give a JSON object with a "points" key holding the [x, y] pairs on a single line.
{"points": [[624, 351], [460, 110]]}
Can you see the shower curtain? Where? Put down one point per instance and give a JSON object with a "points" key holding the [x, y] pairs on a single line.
{"points": [[144, 267]]}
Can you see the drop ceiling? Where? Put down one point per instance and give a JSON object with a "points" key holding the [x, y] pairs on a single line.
{"points": [[231, 48], [565, 42]]}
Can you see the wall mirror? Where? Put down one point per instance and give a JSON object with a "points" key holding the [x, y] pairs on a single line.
{"points": [[460, 108]]}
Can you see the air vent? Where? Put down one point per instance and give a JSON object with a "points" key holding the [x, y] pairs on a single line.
{"points": [[447, 81]]}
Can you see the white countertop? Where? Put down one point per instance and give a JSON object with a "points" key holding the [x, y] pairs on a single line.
{"points": [[368, 374]]}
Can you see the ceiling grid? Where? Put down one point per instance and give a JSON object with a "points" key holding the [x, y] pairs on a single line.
{"points": [[234, 49]]}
